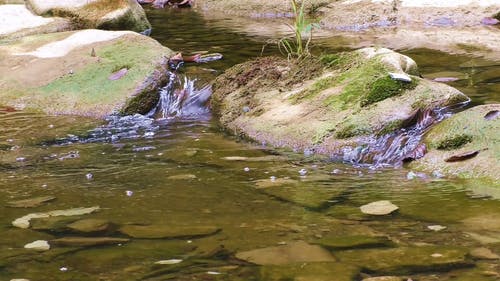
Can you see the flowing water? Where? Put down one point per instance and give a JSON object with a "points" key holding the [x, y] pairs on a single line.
{"points": [[213, 195]]}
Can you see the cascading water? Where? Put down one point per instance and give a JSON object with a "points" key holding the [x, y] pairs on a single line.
{"points": [[180, 98], [403, 145]]}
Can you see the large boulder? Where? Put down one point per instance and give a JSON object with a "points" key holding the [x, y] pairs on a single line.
{"points": [[326, 106], [71, 72], [100, 14], [18, 21], [466, 145]]}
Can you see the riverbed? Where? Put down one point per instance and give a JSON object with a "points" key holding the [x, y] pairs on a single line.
{"points": [[186, 172]]}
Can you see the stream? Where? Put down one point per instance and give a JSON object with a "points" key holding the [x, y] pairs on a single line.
{"points": [[185, 198]]}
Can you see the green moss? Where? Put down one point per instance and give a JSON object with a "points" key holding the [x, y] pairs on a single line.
{"points": [[453, 142], [91, 87], [316, 88], [391, 127], [351, 130], [385, 87]]}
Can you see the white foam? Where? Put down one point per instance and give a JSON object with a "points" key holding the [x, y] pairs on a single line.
{"points": [[78, 39]]}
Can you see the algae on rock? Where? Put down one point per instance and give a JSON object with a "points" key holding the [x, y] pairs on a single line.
{"points": [[325, 105], [467, 131], [57, 74]]}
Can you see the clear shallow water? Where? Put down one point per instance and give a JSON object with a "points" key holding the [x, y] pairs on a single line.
{"points": [[180, 176]]}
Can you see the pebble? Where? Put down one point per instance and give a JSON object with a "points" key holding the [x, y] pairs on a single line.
{"points": [[63, 269], [89, 176], [336, 171], [213, 272], [379, 208], [273, 178], [129, 193], [303, 172], [38, 245], [171, 261], [436, 255], [246, 169], [19, 279], [20, 159], [436, 227]]}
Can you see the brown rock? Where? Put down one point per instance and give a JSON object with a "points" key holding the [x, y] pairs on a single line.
{"points": [[165, 231]]}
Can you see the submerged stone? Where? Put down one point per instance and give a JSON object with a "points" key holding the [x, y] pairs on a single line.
{"points": [[87, 241], [353, 242], [90, 225], [30, 203], [313, 271], [379, 208], [167, 232], [296, 252], [407, 260], [52, 224], [484, 253]]}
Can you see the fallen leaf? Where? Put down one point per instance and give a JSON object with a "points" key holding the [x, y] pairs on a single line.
{"points": [[492, 115], [119, 74], [463, 156]]}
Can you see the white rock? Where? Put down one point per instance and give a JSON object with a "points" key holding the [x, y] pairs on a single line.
{"points": [[379, 208], [19, 279], [448, 3], [436, 227], [400, 77], [39, 245], [43, 6], [171, 261], [17, 17]]}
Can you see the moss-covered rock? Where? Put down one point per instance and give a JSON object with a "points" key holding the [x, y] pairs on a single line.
{"points": [[326, 104], [102, 14], [466, 132], [67, 73]]}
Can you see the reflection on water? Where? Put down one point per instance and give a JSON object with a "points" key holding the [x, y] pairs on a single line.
{"points": [[176, 174]]}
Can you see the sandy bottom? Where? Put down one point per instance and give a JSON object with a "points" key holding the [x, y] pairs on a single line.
{"points": [[17, 17]]}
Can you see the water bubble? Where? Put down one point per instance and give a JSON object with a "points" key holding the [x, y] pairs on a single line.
{"points": [[437, 174], [411, 176], [273, 178], [129, 193], [303, 172], [246, 169], [89, 176]]}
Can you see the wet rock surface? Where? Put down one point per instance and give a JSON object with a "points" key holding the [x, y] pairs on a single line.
{"points": [[468, 137], [87, 241], [31, 202]]}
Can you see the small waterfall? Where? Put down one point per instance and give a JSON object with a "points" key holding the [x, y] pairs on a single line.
{"points": [[403, 145], [180, 98]]}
